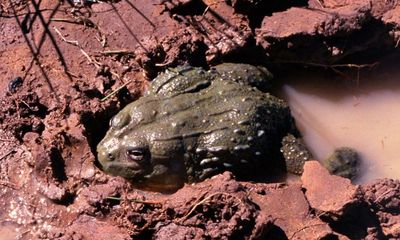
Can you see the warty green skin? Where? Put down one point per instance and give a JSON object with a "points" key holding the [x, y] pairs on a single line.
{"points": [[344, 162], [192, 124], [295, 153]]}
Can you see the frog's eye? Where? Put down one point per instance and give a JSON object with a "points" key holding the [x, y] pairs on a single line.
{"points": [[119, 120], [136, 154]]}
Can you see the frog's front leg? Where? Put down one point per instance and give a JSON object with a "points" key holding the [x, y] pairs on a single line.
{"points": [[254, 76]]}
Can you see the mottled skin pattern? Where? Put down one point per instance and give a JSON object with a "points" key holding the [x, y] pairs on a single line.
{"points": [[192, 124], [295, 152], [343, 162]]}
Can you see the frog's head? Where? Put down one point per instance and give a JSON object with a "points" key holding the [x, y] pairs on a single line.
{"points": [[131, 150], [123, 156]]}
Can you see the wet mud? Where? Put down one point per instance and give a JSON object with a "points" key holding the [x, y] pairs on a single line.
{"points": [[68, 66]]}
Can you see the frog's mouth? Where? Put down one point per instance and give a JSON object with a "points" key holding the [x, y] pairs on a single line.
{"points": [[130, 163], [129, 170]]}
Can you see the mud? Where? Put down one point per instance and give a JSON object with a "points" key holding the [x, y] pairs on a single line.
{"points": [[80, 64]]}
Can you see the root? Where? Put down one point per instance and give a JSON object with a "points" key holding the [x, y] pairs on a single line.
{"points": [[96, 63], [182, 219], [135, 201], [335, 67]]}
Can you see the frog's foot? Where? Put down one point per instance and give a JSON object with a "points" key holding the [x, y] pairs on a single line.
{"points": [[295, 153], [246, 74]]}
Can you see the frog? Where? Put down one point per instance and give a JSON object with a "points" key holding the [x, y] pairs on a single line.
{"points": [[192, 123]]}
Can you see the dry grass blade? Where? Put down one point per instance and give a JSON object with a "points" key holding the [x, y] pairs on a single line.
{"points": [[114, 52], [193, 208], [7, 154], [115, 91]]}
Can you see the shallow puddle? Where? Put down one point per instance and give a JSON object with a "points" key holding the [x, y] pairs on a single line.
{"points": [[332, 113]]}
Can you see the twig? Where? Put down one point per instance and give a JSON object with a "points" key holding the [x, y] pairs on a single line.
{"points": [[204, 13], [348, 65], [334, 67], [112, 52], [164, 64], [87, 23], [320, 3], [8, 184], [76, 43], [203, 201], [91, 60], [7, 154], [359, 66], [6, 140], [133, 200], [397, 43], [67, 20], [384, 194], [115, 91], [27, 105], [102, 39], [79, 20]]}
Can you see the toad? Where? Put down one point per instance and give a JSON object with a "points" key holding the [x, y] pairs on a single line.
{"points": [[192, 124]]}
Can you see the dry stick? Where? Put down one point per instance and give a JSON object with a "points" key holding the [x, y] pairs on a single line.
{"points": [[78, 20], [121, 51], [8, 184], [27, 105], [134, 200], [204, 13], [164, 64], [203, 201], [7, 154], [320, 3], [397, 43], [334, 66], [76, 43], [349, 65], [384, 194], [358, 67], [86, 22], [6, 140], [115, 91], [67, 20]]}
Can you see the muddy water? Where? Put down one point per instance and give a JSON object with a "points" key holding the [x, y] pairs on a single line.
{"points": [[364, 115]]}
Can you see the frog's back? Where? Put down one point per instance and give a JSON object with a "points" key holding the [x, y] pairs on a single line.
{"points": [[225, 126]]}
